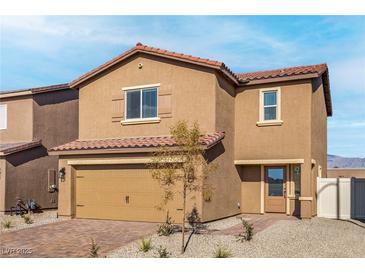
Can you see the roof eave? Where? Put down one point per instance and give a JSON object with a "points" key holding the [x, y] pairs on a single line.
{"points": [[122, 150], [20, 148], [280, 79], [33, 91]]}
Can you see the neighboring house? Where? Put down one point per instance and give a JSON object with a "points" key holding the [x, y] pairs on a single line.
{"points": [[267, 131], [346, 173], [32, 121]]}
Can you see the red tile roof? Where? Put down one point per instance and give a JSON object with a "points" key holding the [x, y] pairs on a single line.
{"points": [[291, 71], [155, 51], [10, 148], [207, 140]]}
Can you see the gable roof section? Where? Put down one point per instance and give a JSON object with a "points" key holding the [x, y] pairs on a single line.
{"points": [[36, 90], [239, 79], [292, 73], [10, 148], [220, 66], [250, 78], [283, 72], [207, 140]]}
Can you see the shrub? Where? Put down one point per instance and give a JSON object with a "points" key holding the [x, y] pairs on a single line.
{"points": [[6, 224], [247, 232], [167, 228], [194, 218], [94, 249], [222, 252], [27, 219], [145, 245], [162, 252]]}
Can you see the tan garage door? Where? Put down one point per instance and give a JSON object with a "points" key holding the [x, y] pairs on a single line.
{"points": [[121, 192]]}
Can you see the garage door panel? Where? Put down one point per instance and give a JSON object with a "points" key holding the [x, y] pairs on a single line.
{"points": [[122, 193]]}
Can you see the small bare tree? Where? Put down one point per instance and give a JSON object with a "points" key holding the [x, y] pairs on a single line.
{"points": [[181, 170]]}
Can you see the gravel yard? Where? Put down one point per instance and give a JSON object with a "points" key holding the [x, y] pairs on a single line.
{"points": [[295, 238], [17, 222]]}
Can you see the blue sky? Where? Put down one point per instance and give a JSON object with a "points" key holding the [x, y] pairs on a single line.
{"points": [[39, 51]]}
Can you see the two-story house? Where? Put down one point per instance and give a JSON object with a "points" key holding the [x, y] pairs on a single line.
{"points": [[265, 130], [31, 122]]}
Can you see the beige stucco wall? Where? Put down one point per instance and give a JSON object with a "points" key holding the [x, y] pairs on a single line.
{"points": [[56, 117], [20, 120], [191, 88], [318, 135], [51, 117], [27, 177], [290, 140], [225, 180], [250, 188]]}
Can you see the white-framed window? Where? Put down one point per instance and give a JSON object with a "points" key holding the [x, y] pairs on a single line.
{"points": [[141, 103], [3, 117], [270, 105]]}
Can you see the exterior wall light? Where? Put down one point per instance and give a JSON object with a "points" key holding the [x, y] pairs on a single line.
{"points": [[61, 174]]}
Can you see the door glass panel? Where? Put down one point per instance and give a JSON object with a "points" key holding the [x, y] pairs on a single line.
{"points": [[275, 178]]}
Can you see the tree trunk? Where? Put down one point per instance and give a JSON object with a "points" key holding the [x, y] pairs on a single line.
{"points": [[183, 223]]}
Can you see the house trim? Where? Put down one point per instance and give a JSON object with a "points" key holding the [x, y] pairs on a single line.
{"points": [[141, 86], [268, 161], [142, 160], [278, 120]]}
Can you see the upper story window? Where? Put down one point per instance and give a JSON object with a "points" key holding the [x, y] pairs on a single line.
{"points": [[141, 103], [3, 116], [269, 107]]}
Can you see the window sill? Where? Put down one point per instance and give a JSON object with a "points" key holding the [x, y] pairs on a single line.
{"points": [[269, 123], [140, 121]]}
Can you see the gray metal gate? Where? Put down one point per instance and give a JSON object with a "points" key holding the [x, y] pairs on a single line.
{"points": [[358, 198]]}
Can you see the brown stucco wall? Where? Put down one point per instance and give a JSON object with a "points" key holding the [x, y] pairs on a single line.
{"points": [[56, 117], [192, 97], [291, 140], [346, 172], [54, 120], [318, 135], [225, 180], [20, 120], [27, 177], [250, 188], [292, 137]]}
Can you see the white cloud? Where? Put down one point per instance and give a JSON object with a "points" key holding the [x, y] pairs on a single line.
{"points": [[204, 36]]}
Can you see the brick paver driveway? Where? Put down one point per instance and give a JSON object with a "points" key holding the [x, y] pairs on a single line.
{"points": [[72, 238]]}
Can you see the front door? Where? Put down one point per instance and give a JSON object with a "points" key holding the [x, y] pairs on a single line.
{"points": [[275, 189]]}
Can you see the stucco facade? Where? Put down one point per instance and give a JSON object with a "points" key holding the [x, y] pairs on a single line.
{"points": [[50, 118], [207, 92]]}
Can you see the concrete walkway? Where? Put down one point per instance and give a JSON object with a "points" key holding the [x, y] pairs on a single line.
{"points": [[259, 222]]}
